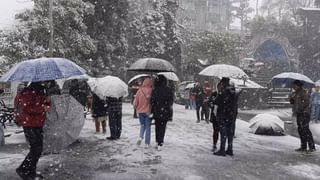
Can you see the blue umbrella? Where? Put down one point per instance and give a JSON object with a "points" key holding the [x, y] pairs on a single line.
{"points": [[42, 69]]}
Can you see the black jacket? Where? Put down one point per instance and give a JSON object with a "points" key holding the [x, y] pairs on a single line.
{"points": [[98, 107], [226, 102], [199, 93]]}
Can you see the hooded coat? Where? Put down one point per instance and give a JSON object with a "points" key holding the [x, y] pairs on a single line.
{"points": [[162, 100], [143, 97]]}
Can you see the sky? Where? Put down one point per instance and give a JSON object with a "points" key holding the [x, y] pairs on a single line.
{"points": [[8, 8]]}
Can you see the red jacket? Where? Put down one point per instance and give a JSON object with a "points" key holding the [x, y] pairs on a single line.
{"points": [[30, 108]]}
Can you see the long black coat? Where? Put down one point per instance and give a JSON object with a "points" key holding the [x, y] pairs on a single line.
{"points": [[162, 101]]}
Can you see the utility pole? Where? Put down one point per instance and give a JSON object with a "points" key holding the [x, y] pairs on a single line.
{"points": [[257, 8], [51, 28]]}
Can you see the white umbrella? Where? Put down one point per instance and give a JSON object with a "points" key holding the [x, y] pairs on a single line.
{"points": [[224, 70], [170, 76], [152, 65], [249, 83], [267, 124], [108, 86], [63, 124], [285, 80], [137, 77], [190, 86]]}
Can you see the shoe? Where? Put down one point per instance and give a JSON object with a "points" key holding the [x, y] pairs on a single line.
{"points": [[301, 150], [229, 152], [111, 138], [159, 148], [219, 153], [139, 141], [207, 121], [312, 150], [198, 121], [23, 175], [214, 149], [147, 146], [97, 132]]}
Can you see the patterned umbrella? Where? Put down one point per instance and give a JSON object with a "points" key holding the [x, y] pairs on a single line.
{"points": [[42, 69]]}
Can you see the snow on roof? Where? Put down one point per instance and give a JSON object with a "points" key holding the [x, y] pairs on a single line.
{"points": [[310, 9]]}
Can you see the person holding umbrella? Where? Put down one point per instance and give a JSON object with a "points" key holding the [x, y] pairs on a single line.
{"points": [[114, 109], [161, 102], [225, 101], [33, 104], [300, 101], [143, 106]]}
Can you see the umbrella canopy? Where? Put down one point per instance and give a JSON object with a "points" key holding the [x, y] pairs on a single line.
{"points": [[224, 70], [267, 124], [285, 80], [108, 86], [190, 85], [63, 124], [138, 77], [170, 76], [42, 69], [152, 65]]}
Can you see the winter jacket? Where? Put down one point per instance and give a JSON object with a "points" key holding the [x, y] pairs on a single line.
{"points": [[199, 94], [114, 104], [300, 101], [30, 108], [226, 102], [142, 100], [315, 98], [99, 108], [162, 101]]}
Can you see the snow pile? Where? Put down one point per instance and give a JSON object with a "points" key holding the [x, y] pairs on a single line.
{"points": [[267, 124], [308, 170]]}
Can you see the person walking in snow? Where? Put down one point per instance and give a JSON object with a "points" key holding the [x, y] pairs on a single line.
{"points": [[225, 101], [114, 110], [142, 103], [161, 104], [213, 120], [300, 101], [99, 113], [205, 110], [315, 104], [32, 114], [197, 91]]}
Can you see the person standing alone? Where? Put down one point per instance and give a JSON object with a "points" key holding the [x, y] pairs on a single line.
{"points": [[300, 101], [33, 104]]}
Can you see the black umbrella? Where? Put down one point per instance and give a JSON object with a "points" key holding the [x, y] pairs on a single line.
{"points": [[152, 65]]}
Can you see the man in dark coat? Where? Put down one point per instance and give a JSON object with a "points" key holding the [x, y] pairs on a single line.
{"points": [[161, 101], [225, 101], [199, 94], [114, 109], [300, 101], [33, 104]]}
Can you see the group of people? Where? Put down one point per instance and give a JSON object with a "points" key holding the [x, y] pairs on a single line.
{"points": [[154, 100]]}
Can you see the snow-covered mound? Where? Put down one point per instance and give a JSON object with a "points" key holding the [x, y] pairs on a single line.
{"points": [[267, 124]]}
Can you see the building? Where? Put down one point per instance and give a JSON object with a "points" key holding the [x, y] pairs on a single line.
{"points": [[210, 15]]}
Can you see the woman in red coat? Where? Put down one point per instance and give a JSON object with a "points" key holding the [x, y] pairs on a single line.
{"points": [[32, 104]]}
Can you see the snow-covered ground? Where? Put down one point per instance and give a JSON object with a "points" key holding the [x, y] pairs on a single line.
{"points": [[186, 155]]}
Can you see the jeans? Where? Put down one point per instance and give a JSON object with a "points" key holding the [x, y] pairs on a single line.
{"points": [[315, 113], [305, 134], [226, 126], [145, 127], [192, 104], [115, 123]]}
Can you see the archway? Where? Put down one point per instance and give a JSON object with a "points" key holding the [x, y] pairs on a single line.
{"points": [[275, 51]]}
